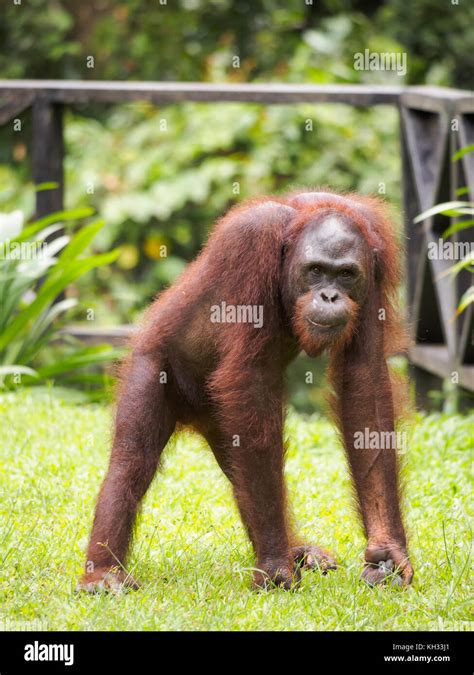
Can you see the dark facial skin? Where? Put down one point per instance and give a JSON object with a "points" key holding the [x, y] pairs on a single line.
{"points": [[328, 267]]}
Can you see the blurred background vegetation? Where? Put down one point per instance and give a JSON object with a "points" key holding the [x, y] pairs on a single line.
{"points": [[160, 176]]}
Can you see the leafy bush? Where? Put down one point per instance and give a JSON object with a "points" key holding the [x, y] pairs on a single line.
{"points": [[37, 263]]}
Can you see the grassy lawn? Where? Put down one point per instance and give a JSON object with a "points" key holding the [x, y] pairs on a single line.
{"points": [[191, 554]]}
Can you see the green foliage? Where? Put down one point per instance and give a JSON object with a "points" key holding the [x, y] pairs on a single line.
{"points": [[437, 36], [37, 264], [41, 41], [191, 553], [131, 39]]}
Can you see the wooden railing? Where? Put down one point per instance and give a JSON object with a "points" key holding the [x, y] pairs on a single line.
{"points": [[435, 122]]}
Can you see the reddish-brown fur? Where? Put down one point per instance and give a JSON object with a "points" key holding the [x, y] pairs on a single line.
{"points": [[226, 381]]}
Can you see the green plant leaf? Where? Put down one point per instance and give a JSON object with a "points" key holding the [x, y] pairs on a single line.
{"points": [[463, 151], [465, 263], [40, 187], [465, 211], [438, 208], [81, 241], [76, 268], [14, 369], [52, 218], [466, 300], [85, 357], [48, 232], [457, 227]]}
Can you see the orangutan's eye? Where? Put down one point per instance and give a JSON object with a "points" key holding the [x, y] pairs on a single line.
{"points": [[347, 273]]}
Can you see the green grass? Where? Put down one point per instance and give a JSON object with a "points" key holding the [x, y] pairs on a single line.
{"points": [[190, 552]]}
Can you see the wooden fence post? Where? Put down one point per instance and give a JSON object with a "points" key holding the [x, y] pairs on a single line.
{"points": [[48, 154]]}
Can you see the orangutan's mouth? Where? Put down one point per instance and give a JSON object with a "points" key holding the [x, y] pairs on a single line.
{"points": [[326, 326]]}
